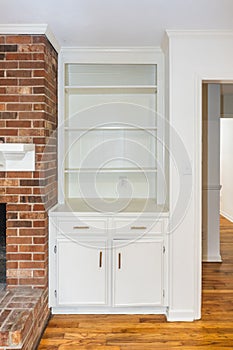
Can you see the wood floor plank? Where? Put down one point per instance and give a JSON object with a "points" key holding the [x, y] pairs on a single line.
{"points": [[146, 332]]}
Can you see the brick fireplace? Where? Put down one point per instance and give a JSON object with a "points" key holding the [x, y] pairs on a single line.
{"points": [[28, 114]]}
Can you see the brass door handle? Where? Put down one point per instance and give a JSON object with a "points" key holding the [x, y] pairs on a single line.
{"points": [[119, 261], [100, 259], [81, 227], [138, 228]]}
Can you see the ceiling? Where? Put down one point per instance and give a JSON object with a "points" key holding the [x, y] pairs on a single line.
{"points": [[117, 22]]}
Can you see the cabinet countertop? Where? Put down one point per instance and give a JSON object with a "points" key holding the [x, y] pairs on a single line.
{"points": [[109, 207]]}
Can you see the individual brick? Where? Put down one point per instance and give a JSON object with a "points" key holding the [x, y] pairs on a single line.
{"points": [[18, 56], [19, 107], [18, 73], [18, 39]]}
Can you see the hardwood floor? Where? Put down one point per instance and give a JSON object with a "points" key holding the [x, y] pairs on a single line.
{"points": [[138, 332]]}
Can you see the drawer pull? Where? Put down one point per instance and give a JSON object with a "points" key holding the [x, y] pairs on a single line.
{"points": [[100, 259], [81, 227], [119, 261], [138, 227]]}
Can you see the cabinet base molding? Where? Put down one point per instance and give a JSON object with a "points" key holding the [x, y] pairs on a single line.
{"points": [[104, 311], [180, 315]]}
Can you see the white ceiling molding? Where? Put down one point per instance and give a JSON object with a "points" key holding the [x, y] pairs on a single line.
{"points": [[172, 33], [30, 29], [110, 54]]}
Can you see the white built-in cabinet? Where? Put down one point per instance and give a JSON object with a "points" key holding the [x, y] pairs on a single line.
{"points": [[108, 233]]}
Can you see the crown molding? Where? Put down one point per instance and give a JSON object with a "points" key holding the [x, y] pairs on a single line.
{"points": [[177, 33], [111, 54], [150, 49], [30, 29]]}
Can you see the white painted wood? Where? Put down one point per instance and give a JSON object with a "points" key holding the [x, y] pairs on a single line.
{"points": [[226, 167], [138, 227], [124, 126], [138, 272], [17, 157], [112, 55], [77, 284], [81, 272], [193, 57], [210, 225], [130, 310], [211, 173], [149, 136], [76, 207], [93, 155]]}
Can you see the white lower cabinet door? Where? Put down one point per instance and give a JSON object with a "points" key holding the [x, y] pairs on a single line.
{"points": [[138, 273], [82, 272]]}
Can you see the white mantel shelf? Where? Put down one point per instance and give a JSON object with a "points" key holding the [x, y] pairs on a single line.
{"points": [[17, 157]]}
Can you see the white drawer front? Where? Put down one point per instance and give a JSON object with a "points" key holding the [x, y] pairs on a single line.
{"points": [[82, 226], [138, 227]]}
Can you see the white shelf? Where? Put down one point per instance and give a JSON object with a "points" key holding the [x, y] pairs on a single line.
{"points": [[143, 89], [111, 170], [112, 128]]}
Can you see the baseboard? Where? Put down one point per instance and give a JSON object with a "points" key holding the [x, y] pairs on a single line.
{"points": [[212, 258], [225, 215], [180, 315], [109, 310]]}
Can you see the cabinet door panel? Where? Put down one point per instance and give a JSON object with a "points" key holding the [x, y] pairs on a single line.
{"points": [[82, 269], [138, 273]]}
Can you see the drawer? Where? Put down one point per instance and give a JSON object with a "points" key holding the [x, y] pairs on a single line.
{"points": [[82, 226], [138, 227]]}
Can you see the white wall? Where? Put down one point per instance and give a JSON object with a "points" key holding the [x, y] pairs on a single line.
{"points": [[193, 57], [226, 154]]}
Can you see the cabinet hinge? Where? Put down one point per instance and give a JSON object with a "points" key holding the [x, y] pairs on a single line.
{"points": [[164, 249], [163, 293], [55, 293], [55, 249]]}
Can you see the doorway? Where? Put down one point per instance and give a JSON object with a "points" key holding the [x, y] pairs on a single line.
{"points": [[211, 109], [217, 167]]}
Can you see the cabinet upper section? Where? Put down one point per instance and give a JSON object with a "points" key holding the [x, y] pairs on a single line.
{"points": [[111, 75], [112, 140]]}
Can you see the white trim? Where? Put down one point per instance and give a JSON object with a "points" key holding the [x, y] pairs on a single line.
{"points": [[191, 32], [52, 39], [198, 189], [225, 215], [114, 55], [23, 28], [30, 29], [140, 49], [108, 310], [212, 258], [180, 315], [198, 200]]}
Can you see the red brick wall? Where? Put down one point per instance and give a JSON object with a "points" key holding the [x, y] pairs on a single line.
{"points": [[28, 114]]}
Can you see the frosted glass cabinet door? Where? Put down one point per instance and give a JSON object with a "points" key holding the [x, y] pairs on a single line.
{"points": [[138, 273], [81, 272]]}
